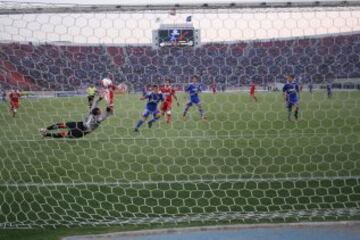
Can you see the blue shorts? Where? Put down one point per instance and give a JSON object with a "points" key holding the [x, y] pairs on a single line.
{"points": [[292, 102], [192, 101], [148, 112]]}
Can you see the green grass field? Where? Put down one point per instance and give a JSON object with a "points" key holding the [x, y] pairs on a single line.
{"points": [[247, 163]]}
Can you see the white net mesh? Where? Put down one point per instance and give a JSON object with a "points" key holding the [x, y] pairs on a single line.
{"points": [[246, 163]]}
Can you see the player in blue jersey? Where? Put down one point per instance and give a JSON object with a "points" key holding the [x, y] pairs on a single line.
{"points": [[193, 89], [329, 89], [153, 97], [291, 96]]}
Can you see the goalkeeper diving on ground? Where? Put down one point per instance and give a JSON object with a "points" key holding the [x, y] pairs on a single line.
{"points": [[81, 128]]}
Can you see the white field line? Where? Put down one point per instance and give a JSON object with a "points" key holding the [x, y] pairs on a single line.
{"points": [[128, 234], [137, 183], [89, 139]]}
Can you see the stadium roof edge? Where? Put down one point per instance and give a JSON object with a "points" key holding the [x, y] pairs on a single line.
{"points": [[8, 8]]}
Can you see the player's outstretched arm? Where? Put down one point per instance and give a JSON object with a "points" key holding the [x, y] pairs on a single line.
{"points": [[95, 103], [99, 94], [285, 97], [187, 88], [107, 113]]}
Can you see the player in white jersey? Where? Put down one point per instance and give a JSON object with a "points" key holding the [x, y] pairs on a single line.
{"points": [[81, 128]]}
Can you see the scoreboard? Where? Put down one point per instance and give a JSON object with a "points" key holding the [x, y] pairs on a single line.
{"points": [[176, 36]]}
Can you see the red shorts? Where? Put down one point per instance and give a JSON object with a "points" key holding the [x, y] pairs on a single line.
{"points": [[111, 98], [14, 105], [166, 106], [252, 93]]}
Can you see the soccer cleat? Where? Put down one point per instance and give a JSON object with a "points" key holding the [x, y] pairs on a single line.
{"points": [[136, 130], [150, 124]]}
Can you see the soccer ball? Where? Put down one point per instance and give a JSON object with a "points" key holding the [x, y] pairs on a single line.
{"points": [[106, 82]]}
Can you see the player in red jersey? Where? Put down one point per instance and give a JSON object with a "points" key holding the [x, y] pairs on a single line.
{"points": [[108, 93], [252, 91], [123, 88], [111, 93], [168, 92], [213, 87], [14, 97]]}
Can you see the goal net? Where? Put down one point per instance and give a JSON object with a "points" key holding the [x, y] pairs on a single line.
{"points": [[234, 159]]}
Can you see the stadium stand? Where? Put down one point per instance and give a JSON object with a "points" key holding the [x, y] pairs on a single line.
{"points": [[58, 67]]}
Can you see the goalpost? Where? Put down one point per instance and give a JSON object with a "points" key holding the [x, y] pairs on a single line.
{"points": [[246, 163]]}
